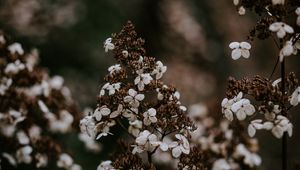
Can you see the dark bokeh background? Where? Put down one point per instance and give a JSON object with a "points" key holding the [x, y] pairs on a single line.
{"points": [[190, 37]]}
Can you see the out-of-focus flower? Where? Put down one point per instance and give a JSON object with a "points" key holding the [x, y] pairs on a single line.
{"points": [[221, 164], [108, 45], [281, 29], [42, 160], [287, 50], [23, 154], [295, 98], [242, 10], [249, 158], [105, 165], [298, 17], [278, 2], [16, 48], [240, 49], [282, 124]]}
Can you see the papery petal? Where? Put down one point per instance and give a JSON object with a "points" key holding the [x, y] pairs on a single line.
{"points": [[234, 45], [245, 45]]}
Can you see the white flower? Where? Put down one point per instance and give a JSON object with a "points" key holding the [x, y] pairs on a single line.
{"points": [[242, 10], [249, 158], [243, 108], [16, 48], [278, 2], [114, 68], [90, 143], [149, 116], [142, 79], [134, 98], [125, 53], [182, 146], [271, 115], [103, 128], [22, 138], [281, 29], [145, 142], [14, 68], [42, 160], [221, 164], [135, 127], [87, 125], [298, 18], [295, 98], [236, 2], [226, 108], [23, 154], [34, 132], [105, 165], [56, 82], [11, 160], [63, 124], [5, 83], [240, 49], [282, 124], [287, 50], [111, 88], [64, 161], [2, 39], [117, 112], [102, 111], [159, 70], [108, 45]]}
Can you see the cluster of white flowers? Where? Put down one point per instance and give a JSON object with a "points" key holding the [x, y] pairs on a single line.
{"points": [[251, 159], [111, 88], [5, 84], [239, 106]]}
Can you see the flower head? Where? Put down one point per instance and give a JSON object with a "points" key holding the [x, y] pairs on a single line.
{"points": [[281, 29], [240, 49]]}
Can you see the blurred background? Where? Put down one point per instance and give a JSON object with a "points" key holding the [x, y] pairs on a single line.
{"points": [[190, 37]]}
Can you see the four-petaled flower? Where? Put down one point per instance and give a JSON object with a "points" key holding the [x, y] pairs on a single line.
{"points": [[111, 88], [142, 79], [243, 108], [240, 49], [145, 142], [281, 29], [182, 146], [108, 45], [114, 68], [282, 124], [287, 50], [134, 98], [102, 111], [159, 70], [149, 116]]}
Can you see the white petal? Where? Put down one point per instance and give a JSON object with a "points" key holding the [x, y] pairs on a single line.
{"points": [[176, 152], [245, 53], [236, 54], [140, 97], [132, 92], [245, 45], [234, 45], [251, 130]]}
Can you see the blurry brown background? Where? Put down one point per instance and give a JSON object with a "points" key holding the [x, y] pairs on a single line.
{"points": [[190, 37]]}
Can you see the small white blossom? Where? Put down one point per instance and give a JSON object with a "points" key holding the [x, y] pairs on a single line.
{"points": [[242, 10], [64, 161], [114, 68], [14, 68], [11, 160], [134, 98], [87, 125], [145, 142], [236, 2], [103, 128], [287, 50], [159, 70], [56, 82], [278, 2], [249, 158], [182, 146], [281, 29], [102, 111], [117, 112], [240, 49], [42, 160], [16, 48], [90, 143], [5, 83], [105, 165], [282, 124], [135, 127], [22, 138], [149, 116], [242, 109], [295, 98], [298, 17], [226, 108], [108, 45], [2, 39], [63, 123], [23, 154], [142, 79], [221, 164], [111, 88]]}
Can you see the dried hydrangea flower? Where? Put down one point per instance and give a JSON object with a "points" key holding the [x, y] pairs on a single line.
{"points": [[240, 49]]}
